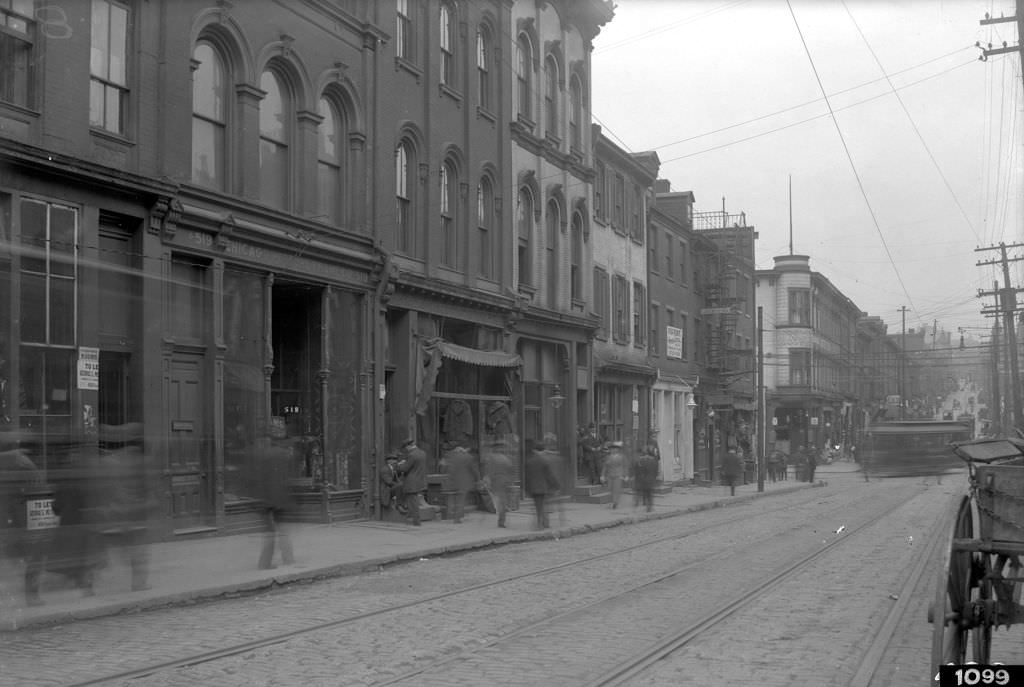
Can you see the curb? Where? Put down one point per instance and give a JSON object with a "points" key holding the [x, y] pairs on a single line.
{"points": [[305, 576]]}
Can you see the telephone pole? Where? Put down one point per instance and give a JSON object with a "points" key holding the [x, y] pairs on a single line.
{"points": [[902, 360], [1007, 305], [1019, 48]]}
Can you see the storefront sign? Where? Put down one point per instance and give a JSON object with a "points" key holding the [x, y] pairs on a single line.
{"points": [[674, 342], [40, 514], [88, 368]]}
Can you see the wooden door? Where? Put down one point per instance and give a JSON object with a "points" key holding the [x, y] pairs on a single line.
{"points": [[188, 459]]}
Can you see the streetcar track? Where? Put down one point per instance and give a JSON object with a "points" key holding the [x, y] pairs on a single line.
{"points": [[661, 649], [280, 638]]}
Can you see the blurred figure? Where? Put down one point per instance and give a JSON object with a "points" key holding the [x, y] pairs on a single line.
{"points": [[463, 475], [732, 470], [273, 457], [540, 482], [414, 478], [21, 477], [499, 474], [645, 473], [613, 471], [131, 508], [591, 446], [78, 547], [557, 463], [394, 495], [812, 463]]}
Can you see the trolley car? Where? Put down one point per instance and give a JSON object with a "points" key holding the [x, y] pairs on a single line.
{"points": [[981, 578], [912, 447]]}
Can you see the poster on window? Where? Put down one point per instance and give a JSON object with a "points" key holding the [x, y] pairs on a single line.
{"points": [[88, 368]]}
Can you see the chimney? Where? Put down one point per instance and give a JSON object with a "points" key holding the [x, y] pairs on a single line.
{"points": [[662, 186]]}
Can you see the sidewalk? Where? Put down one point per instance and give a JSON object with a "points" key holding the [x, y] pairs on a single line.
{"points": [[190, 570]]}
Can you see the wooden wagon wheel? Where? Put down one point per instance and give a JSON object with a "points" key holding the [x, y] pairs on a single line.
{"points": [[950, 612]]}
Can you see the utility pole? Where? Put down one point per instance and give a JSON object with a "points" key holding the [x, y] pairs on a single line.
{"points": [[1007, 305], [902, 359], [1019, 48], [762, 420], [997, 398]]}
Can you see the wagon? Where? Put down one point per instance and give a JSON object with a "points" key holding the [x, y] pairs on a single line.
{"points": [[981, 577]]}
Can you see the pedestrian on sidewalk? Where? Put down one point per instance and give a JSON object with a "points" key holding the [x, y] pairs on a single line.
{"points": [[499, 473], [614, 469], [393, 493], [132, 501], [540, 482], [274, 455], [645, 474], [591, 446], [78, 547], [732, 470], [812, 463], [414, 478], [463, 475], [558, 464]]}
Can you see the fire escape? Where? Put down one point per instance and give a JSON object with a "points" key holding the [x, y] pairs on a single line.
{"points": [[722, 301]]}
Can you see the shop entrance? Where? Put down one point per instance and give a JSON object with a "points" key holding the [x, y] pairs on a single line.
{"points": [[295, 397], [188, 449]]}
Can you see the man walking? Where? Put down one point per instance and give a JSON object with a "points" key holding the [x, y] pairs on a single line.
{"points": [[540, 482]]}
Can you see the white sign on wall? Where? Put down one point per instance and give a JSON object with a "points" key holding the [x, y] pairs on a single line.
{"points": [[673, 342], [88, 368]]}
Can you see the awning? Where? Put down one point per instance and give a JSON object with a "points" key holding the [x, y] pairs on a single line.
{"points": [[473, 356]]}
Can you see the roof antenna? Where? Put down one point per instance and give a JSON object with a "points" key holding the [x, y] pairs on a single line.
{"points": [[790, 214]]}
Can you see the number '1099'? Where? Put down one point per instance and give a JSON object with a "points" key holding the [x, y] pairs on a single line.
{"points": [[981, 676]]}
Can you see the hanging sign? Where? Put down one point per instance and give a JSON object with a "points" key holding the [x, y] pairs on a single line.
{"points": [[673, 342], [88, 368]]}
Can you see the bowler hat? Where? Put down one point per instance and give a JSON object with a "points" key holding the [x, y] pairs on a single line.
{"points": [[409, 445]]}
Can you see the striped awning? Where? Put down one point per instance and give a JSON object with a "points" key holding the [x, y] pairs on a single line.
{"points": [[473, 356]]}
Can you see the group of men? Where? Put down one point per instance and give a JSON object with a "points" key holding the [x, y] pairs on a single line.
{"points": [[405, 479], [605, 463]]}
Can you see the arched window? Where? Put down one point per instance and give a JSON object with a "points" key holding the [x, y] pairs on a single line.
{"points": [[575, 113], [449, 211], [330, 164], [552, 217], [484, 222], [405, 163], [209, 118], [524, 73], [576, 271], [483, 67], [274, 133], [524, 225], [447, 46], [551, 98]]}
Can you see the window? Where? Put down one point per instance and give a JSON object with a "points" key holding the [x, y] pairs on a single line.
{"points": [[800, 307], [682, 337], [575, 114], [447, 46], [636, 211], [273, 142], [449, 203], [209, 118], [619, 216], [484, 220], [652, 249], [682, 262], [600, 196], [611, 403], [49, 235], [669, 256], [404, 185], [639, 311], [552, 220], [652, 341], [108, 83], [799, 367], [620, 309], [483, 67], [524, 73], [601, 302], [17, 33], [524, 224], [551, 98], [576, 268], [329, 163], [403, 30]]}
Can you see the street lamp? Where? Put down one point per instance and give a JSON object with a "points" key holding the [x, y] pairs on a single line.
{"points": [[556, 397], [690, 402]]}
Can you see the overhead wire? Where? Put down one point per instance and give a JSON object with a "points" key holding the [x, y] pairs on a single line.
{"points": [[849, 157]]}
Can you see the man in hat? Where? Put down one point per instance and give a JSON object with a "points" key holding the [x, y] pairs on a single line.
{"points": [[393, 495], [414, 478], [613, 471], [591, 445], [499, 474]]}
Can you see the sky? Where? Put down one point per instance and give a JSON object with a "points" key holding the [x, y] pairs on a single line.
{"points": [[913, 161]]}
